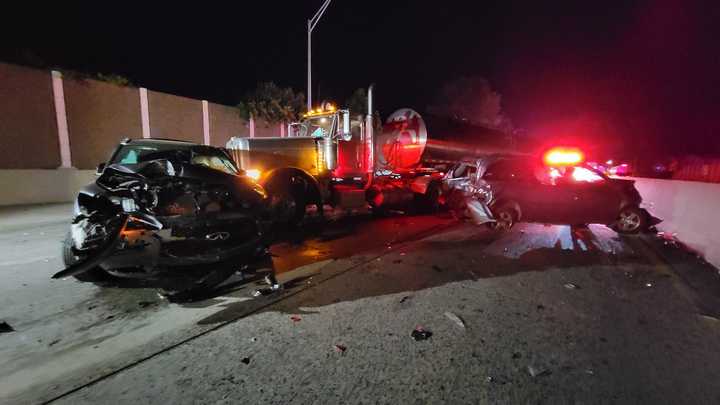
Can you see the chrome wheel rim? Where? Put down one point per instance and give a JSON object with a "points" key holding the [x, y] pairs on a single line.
{"points": [[629, 221], [504, 221]]}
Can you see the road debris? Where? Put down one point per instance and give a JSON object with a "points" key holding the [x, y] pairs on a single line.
{"points": [[648, 285], [145, 304], [437, 268], [405, 298], [6, 328], [456, 319], [516, 355], [589, 372], [571, 286], [419, 334], [245, 360], [340, 349], [489, 379], [540, 307], [537, 372], [295, 318], [54, 342]]}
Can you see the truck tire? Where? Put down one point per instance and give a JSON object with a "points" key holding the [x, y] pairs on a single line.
{"points": [[289, 200], [94, 275], [430, 201]]}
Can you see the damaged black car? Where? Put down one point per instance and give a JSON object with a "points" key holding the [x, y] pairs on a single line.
{"points": [[166, 209], [501, 190]]}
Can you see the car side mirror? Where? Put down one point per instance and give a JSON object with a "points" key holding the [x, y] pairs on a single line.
{"points": [[100, 168]]}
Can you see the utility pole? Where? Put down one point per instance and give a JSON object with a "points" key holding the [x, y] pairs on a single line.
{"points": [[311, 23]]}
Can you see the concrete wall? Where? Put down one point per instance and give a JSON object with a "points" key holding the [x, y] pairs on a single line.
{"points": [[99, 116], [687, 208], [28, 129], [264, 129], [175, 117], [225, 123], [42, 186]]}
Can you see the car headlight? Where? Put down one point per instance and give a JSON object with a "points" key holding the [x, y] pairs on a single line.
{"points": [[127, 204]]}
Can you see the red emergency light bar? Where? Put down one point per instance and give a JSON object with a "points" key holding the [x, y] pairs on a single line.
{"points": [[563, 157]]}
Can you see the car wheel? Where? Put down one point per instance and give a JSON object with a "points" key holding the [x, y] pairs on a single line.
{"points": [[94, 275], [505, 218], [631, 220]]}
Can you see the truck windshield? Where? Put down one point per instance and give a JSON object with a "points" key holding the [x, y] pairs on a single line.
{"points": [[318, 126]]}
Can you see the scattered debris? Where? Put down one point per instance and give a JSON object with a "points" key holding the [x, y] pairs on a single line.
{"points": [[589, 372], [145, 304], [54, 342], [402, 253], [456, 319], [295, 318], [437, 268], [516, 355], [340, 349], [420, 334], [253, 339], [263, 291], [245, 360], [540, 307], [397, 261], [489, 379], [535, 372], [648, 285], [6, 328], [571, 286], [405, 298], [109, 317]]}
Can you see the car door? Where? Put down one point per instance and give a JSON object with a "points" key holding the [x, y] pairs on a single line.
{"points": [[555, 200], [594, 198], [516, 181]]}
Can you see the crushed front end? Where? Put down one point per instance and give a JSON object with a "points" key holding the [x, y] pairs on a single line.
{"points": [[162, 218]]}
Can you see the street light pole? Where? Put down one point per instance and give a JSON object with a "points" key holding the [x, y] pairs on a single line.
{"points": [[311, 23]]}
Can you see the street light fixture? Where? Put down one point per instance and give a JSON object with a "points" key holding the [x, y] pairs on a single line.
{"points": [[311, 23]]}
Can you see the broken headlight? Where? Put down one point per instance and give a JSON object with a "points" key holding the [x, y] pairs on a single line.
{"points": [[127, 204]]}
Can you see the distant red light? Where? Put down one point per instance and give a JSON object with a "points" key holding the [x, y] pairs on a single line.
{"points": [[563, 157]]}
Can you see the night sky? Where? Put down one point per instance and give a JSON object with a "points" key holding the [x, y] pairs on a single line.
{"points": [[635, 75]]}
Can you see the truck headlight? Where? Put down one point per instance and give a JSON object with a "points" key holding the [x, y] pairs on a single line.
{"points": [[129, 205], [253, 174]]}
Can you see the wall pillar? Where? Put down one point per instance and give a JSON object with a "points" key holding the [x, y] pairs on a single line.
{"points": [[61, 118], [251, 123], [206, 122], [144, 113]]}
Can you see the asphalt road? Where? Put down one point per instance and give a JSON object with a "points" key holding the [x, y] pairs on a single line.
{"points": [[550, 314]]}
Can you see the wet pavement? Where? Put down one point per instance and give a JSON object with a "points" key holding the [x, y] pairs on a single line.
{"points": [[552, 314]]}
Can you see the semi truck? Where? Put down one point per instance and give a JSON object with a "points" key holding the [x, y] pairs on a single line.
{"points": [[332, 156]]}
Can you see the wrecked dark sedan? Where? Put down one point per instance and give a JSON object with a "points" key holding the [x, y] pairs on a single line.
{"points": [[502, 190], [164, 208]]}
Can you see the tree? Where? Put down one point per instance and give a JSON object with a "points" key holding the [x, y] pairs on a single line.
{"points": [[271, 103], [473, 100]]}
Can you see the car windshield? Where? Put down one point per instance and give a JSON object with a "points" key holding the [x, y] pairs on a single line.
{"points": [[209, 157], [215, 161]]}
